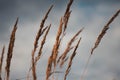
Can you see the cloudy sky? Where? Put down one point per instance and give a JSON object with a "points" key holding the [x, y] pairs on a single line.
{"points": [[90, 14]]}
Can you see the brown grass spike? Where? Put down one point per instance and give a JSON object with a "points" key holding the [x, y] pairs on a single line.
{"points": [[10, 51], [52, 58], [71, 59], [49, 68], [67, 14], [42, 44], [68, 48], [105, 28], [57, 43], [40, 50], [40, 32], [1, 61], [66, 18]]}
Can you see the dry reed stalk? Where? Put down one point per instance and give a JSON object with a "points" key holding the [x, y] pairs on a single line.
{"points": [[49, 68], [85, 68], [42, 44], [39, 54], [40, 50], [39, 34], [68, 7], [59, 37], [1, 61], [71, 59], [53, 57], [67, 14], [57, 43], [65, 20], [41, 30], [10, 51], [105, 28], [68, 48]]}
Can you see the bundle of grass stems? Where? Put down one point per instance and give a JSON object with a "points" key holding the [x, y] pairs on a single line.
{"points": [[54, 59]]}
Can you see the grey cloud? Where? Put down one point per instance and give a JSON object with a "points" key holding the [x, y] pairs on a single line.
{"points": [[97, 2], [26, 10], [29, 10], [30, 13]]}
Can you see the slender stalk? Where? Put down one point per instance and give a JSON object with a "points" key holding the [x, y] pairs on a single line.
{"points": [[67, 14], [57, 43], [98, 40], [52, 58], [71, 59], [39, 34], [61, 59], [49, 68], [10, 51], [104, 30], [85, 68], [1, 61], [42, 44]]}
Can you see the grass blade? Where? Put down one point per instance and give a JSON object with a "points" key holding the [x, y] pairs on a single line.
{"points": [[71, 59], [1, 61], [10, 51]]}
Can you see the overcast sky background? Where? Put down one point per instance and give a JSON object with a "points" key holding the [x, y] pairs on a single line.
{"points": [[90, 14]]}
